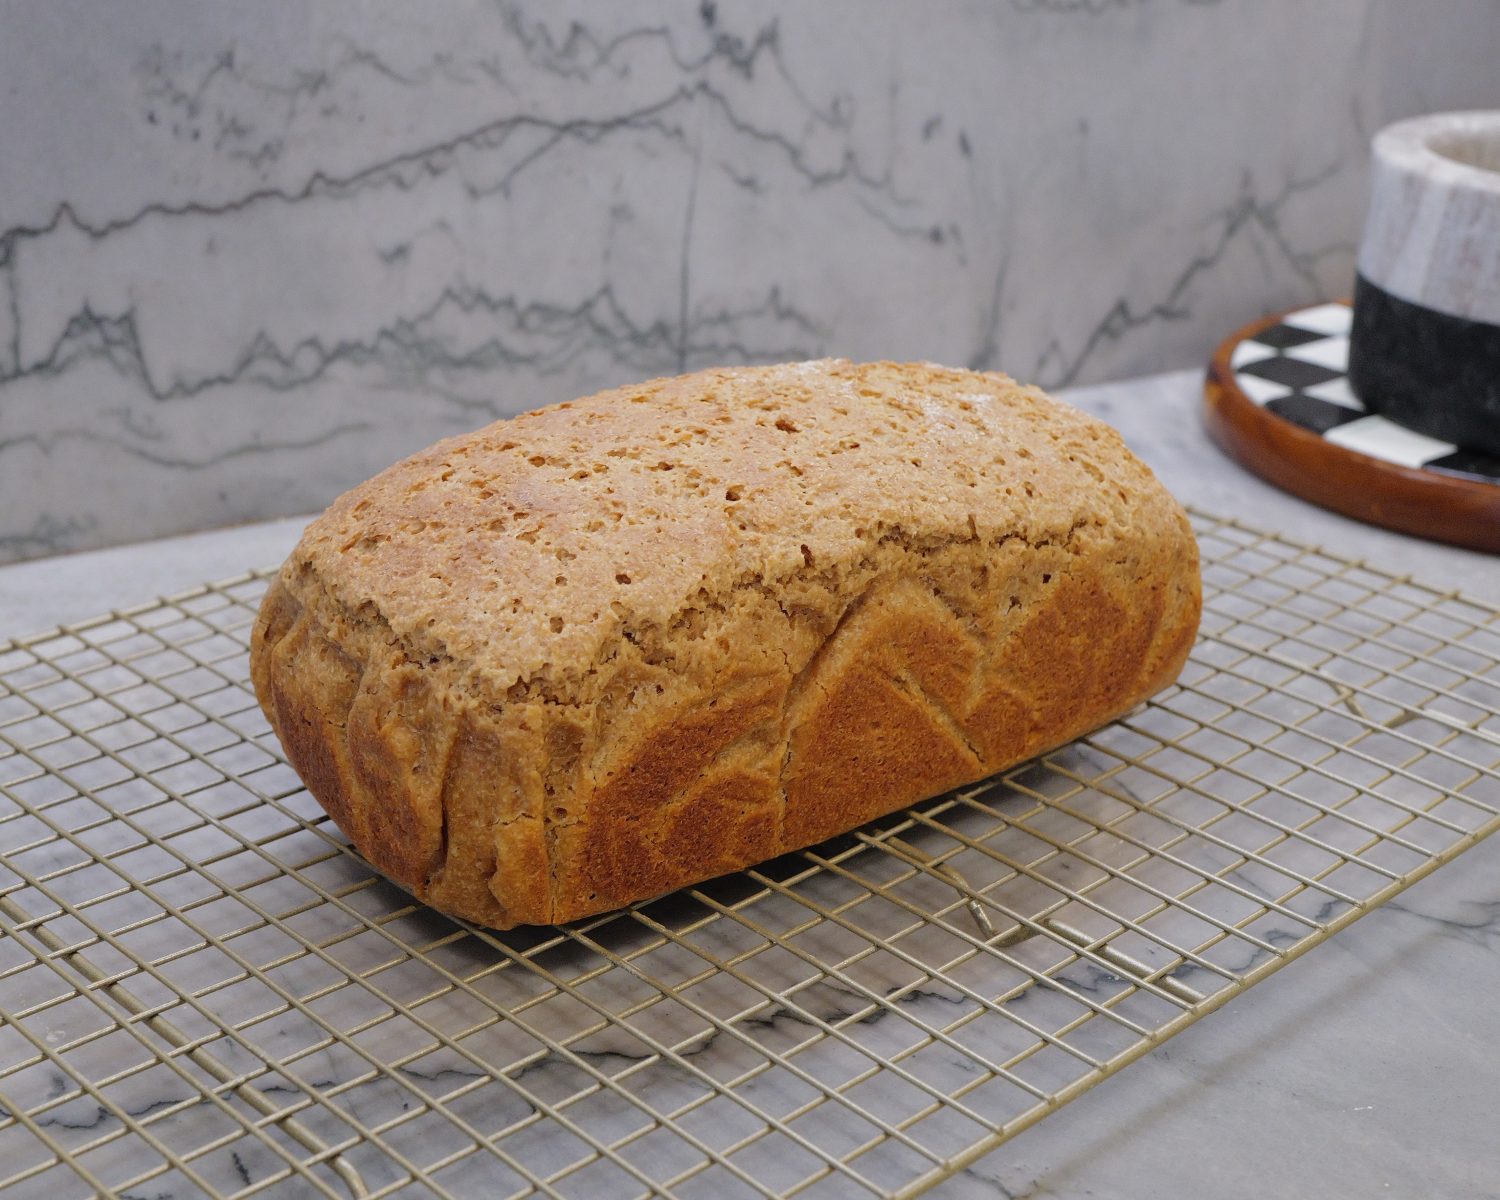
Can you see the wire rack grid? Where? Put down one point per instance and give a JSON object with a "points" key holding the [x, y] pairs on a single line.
{"points": [[206, 992]]}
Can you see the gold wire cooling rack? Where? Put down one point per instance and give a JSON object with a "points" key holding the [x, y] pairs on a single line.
{"points": [[205, 992]]}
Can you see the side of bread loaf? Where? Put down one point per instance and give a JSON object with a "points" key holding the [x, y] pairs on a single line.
{"points": [[612, 648]]}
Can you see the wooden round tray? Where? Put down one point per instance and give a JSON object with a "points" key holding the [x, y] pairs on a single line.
{"points": [[1277, 399]]}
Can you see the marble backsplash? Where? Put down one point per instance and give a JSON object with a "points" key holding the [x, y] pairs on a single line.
{"points": [[250, 254]]}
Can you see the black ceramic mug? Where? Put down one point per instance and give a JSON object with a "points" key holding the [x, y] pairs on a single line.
{"points": [[1425, 347]]}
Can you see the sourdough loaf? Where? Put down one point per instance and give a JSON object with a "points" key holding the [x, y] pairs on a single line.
{"points": [[617, 646]]}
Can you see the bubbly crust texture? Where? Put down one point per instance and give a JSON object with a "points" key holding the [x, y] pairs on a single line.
{"points": [[613, 647]]}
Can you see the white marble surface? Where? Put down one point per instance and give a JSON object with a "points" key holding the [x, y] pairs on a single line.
{"points": [[249, 253], [1365, 1069]]}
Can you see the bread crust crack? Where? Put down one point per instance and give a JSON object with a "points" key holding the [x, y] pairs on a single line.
{"points": [[656, 683]]}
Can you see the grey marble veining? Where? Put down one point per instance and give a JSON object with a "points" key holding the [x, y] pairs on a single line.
{"points": [[249, 255], [1362, 1070]]}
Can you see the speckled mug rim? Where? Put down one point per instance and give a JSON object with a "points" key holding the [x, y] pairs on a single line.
{"points": [[1408, 146]]}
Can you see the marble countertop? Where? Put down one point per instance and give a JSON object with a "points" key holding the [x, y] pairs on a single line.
{"points": [[1365, 1068]]}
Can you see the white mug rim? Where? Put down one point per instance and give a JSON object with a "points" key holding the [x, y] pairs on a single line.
{"points": [[1412, 146]]}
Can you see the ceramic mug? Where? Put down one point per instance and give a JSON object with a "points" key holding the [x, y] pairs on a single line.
{"points": [[1425, 346]]}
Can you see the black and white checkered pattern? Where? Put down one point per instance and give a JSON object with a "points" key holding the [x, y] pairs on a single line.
{"points": [[1297, 370]]}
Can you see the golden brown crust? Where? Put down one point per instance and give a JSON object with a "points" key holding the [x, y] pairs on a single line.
{"points": [[816, 653]]}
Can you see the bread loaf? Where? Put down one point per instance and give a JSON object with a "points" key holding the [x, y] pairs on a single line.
{"points": [[617, 646]]}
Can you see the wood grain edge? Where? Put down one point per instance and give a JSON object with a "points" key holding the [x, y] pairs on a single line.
{"points": [[1445, 508]]}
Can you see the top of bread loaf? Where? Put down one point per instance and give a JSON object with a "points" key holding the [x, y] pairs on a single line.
{"points": [[536, 541]]}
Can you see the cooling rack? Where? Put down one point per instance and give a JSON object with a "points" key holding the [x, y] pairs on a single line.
{"points": [[206, 992]]}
